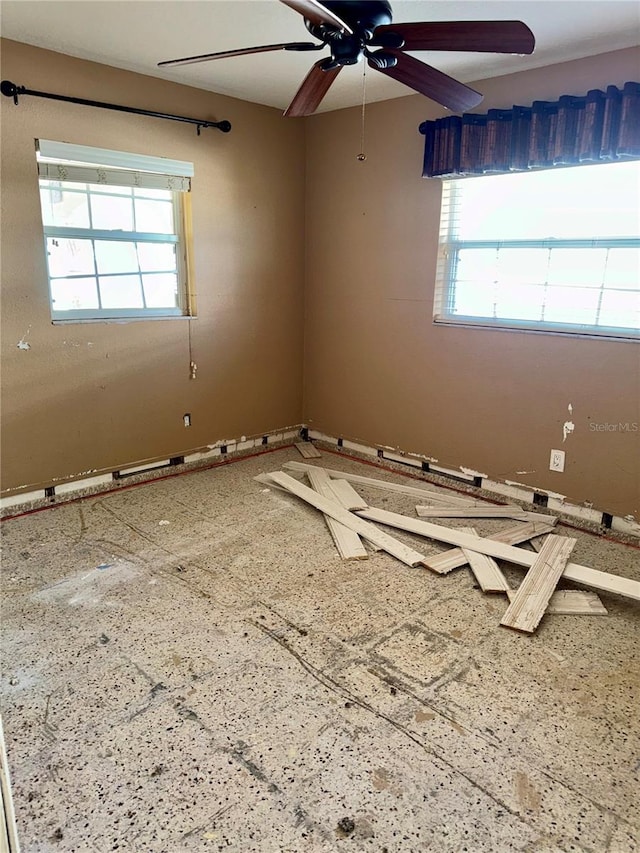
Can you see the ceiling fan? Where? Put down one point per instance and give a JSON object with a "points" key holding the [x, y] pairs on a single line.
{"points": [[351, 28]]}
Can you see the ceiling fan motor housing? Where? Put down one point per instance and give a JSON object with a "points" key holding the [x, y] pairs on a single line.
{"points": [[363, 16]]}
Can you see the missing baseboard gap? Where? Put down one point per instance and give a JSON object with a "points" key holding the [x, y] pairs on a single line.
{"points": [[531, 495], [123, 473], [73, 489]]}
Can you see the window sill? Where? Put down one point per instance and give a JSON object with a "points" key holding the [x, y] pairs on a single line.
{"points": [[154, 318], [558, 329]]}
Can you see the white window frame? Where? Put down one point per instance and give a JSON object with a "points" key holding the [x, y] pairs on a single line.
{"points": [[450, 245], [77, 166]]}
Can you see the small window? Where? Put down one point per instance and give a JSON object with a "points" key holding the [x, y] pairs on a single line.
{"points": [[554, 250], [114, 231]]}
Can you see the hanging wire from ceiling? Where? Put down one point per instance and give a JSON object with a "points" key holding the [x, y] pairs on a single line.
{"points": [[362, 156]]}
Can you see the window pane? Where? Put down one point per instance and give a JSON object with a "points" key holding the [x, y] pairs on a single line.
{"points": [[479, 265], [63, 208], [114, 256], [161, 290], [620, 309], [523, 266], [109, 190], [473, 299], [571, 305], [623, 269], [74, 294], [112, 213], [154, 216], [69, 257], [577, 267], [519, 301], [157, 256], [121, 291], [142, 192]]}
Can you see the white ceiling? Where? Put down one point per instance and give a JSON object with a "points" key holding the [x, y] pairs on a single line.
{"points": [[137, 34]]}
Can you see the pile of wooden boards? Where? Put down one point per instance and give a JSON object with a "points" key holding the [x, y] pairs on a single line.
{"points": [[350, 520]]}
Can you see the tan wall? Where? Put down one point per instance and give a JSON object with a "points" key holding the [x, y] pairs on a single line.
{"points": [[103, 395], [379, 371]]}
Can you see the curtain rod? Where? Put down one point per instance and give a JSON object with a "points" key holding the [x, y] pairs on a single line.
{"points": [[11, 90]]}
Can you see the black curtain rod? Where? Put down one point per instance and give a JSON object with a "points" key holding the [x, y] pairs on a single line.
{"points": [[10, 90]]}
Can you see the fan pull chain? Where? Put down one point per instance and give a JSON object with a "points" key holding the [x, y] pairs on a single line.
{"points": [[362, 156]]}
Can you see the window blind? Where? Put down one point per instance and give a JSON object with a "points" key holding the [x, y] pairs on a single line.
{"points": [[62, 161]]}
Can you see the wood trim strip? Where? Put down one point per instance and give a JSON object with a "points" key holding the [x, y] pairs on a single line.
{"points": [[346, 495], [485, 569], [532, 596], [519, 556], [454, 558], [572, 602], [347, 541], [400, 488], [308, 450], [483, 512], [368, 531], [9, 832]]}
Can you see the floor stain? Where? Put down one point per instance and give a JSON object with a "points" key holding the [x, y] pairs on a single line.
{"points": [[423, 716], [380, 779], [528, 796]]}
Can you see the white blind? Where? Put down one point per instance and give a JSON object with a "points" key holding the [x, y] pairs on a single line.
{"points": [[63, 161], [114, 177]]}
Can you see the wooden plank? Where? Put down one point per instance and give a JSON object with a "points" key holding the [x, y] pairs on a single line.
{"points": [[572, 602], [9, 834], [485, 569], [267, 481], [308, 450], [518, 556], [347, 541], [400, 488], [483, 512], [368, 531], [454, 558], [347, 495], [532, 596]]}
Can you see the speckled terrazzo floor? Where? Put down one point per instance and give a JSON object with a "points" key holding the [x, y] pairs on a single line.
{"points": [[189, 666]]}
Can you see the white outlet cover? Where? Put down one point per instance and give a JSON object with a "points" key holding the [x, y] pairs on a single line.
{"points": [[556, 461]]}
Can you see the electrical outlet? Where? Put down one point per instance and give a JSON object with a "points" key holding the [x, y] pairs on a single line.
{"points": [[556, 463], [187, 420]]}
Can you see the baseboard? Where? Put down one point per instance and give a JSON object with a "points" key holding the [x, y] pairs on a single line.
{"points": [[228, 449], [145, 471], [473, 481]]}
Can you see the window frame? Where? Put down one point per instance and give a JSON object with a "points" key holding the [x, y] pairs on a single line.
{"points": [[449, 248], [179, 238]]}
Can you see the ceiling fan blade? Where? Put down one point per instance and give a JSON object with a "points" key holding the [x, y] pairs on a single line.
{"points": [[243, 51], [478, 36], [426, 80], [315, 12], [314, 87]]}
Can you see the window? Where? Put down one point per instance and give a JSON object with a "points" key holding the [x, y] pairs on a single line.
{"points": [[114, 231], [550, 250]]}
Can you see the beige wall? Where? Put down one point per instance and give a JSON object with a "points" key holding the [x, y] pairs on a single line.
{"points": [[101, 395], [378, 370], [98, 396]]}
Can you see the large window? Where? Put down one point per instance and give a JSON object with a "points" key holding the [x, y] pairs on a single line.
{"points": [[552, 250], [114, 229]]}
